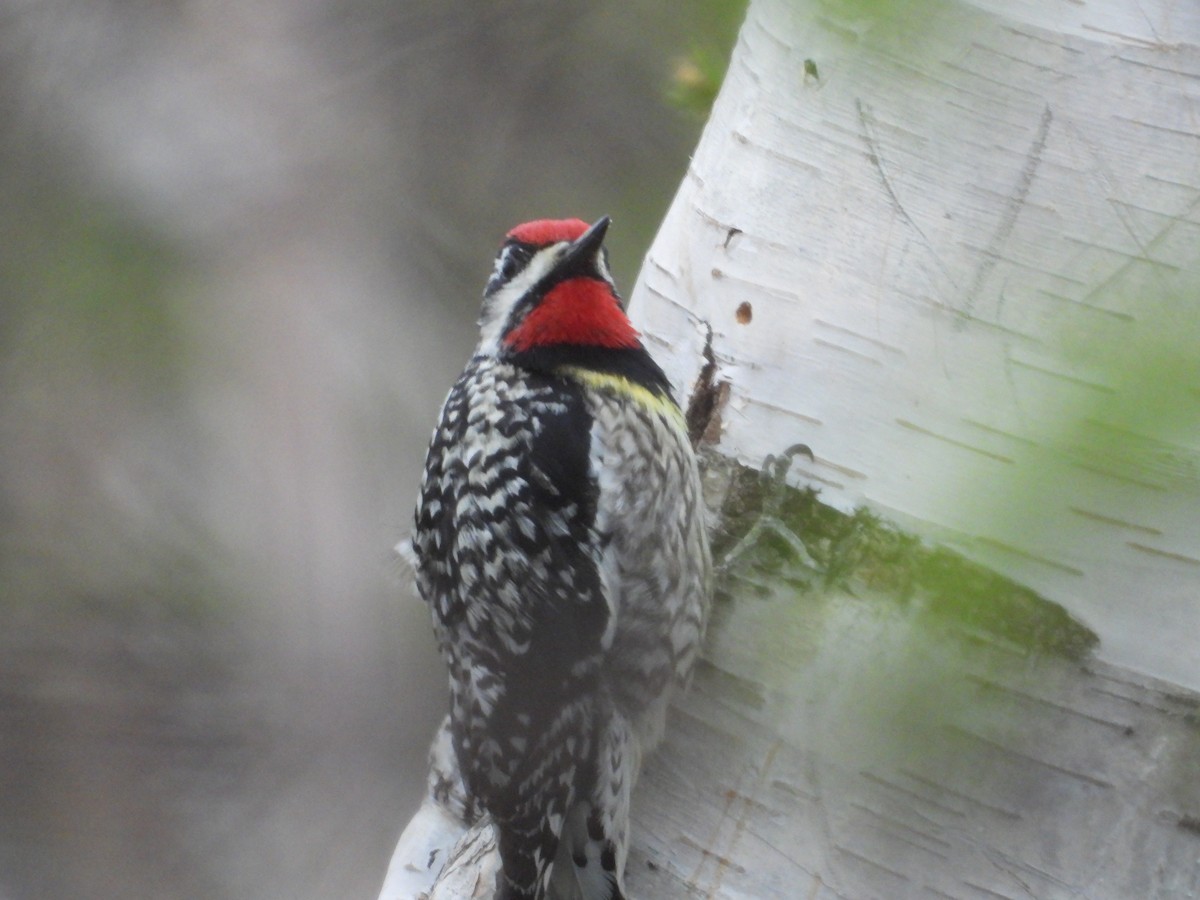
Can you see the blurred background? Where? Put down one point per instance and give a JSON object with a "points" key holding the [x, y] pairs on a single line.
{"points": [[242, 246]]}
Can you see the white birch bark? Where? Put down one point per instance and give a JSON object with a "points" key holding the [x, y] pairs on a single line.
{"points": [[970, 247], [954, 247]]}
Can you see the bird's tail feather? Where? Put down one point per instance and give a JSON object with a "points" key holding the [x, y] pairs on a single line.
{"points": [[590, 862]]}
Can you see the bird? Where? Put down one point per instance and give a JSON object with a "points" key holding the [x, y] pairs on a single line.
{"points": [[560, 543]]}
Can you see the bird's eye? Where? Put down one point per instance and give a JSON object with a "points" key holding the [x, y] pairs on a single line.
{"points": [[511, 259]]}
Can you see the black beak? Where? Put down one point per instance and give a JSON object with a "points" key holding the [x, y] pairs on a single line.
{"points": [[583, 250]]}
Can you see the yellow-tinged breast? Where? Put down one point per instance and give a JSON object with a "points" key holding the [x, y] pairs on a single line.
{"points": [[607, 381]]}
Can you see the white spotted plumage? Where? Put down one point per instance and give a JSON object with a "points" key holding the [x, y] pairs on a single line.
{"points": [[561, 547]]}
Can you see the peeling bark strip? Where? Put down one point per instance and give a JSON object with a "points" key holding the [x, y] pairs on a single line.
{"points": [[708, 396]]}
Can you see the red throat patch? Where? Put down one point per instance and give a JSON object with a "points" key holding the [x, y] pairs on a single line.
{"points": [[543, 232], [581, 311]]}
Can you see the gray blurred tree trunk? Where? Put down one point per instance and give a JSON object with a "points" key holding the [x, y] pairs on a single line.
{"points": [[954, 247]]}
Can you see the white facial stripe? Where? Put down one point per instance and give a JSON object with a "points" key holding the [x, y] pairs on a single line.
{"points": [[499, 306], [602, 268]]}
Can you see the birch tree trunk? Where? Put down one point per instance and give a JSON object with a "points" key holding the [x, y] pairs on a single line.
{"points": [[969, 241], [954, 248]]}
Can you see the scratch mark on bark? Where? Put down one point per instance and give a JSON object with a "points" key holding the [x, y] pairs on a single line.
{"points": [[743, 818], [1114, 521], [1029, 555], [866, 120], [912, 426], [1008, 218], [1120, 207], [707, 854], [873, 863], [987, 890], [1008, 866], [1164, 554]]}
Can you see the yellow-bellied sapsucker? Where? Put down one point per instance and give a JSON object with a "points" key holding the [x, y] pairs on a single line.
{"points": [[560, 543]]}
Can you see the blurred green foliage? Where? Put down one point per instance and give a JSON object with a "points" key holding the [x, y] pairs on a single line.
{"points": [[697, 75], [1151, 371], [696, 81], [87, 289]]}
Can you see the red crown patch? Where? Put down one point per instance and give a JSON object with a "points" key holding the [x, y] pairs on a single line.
{"points": [[543, 232]]}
